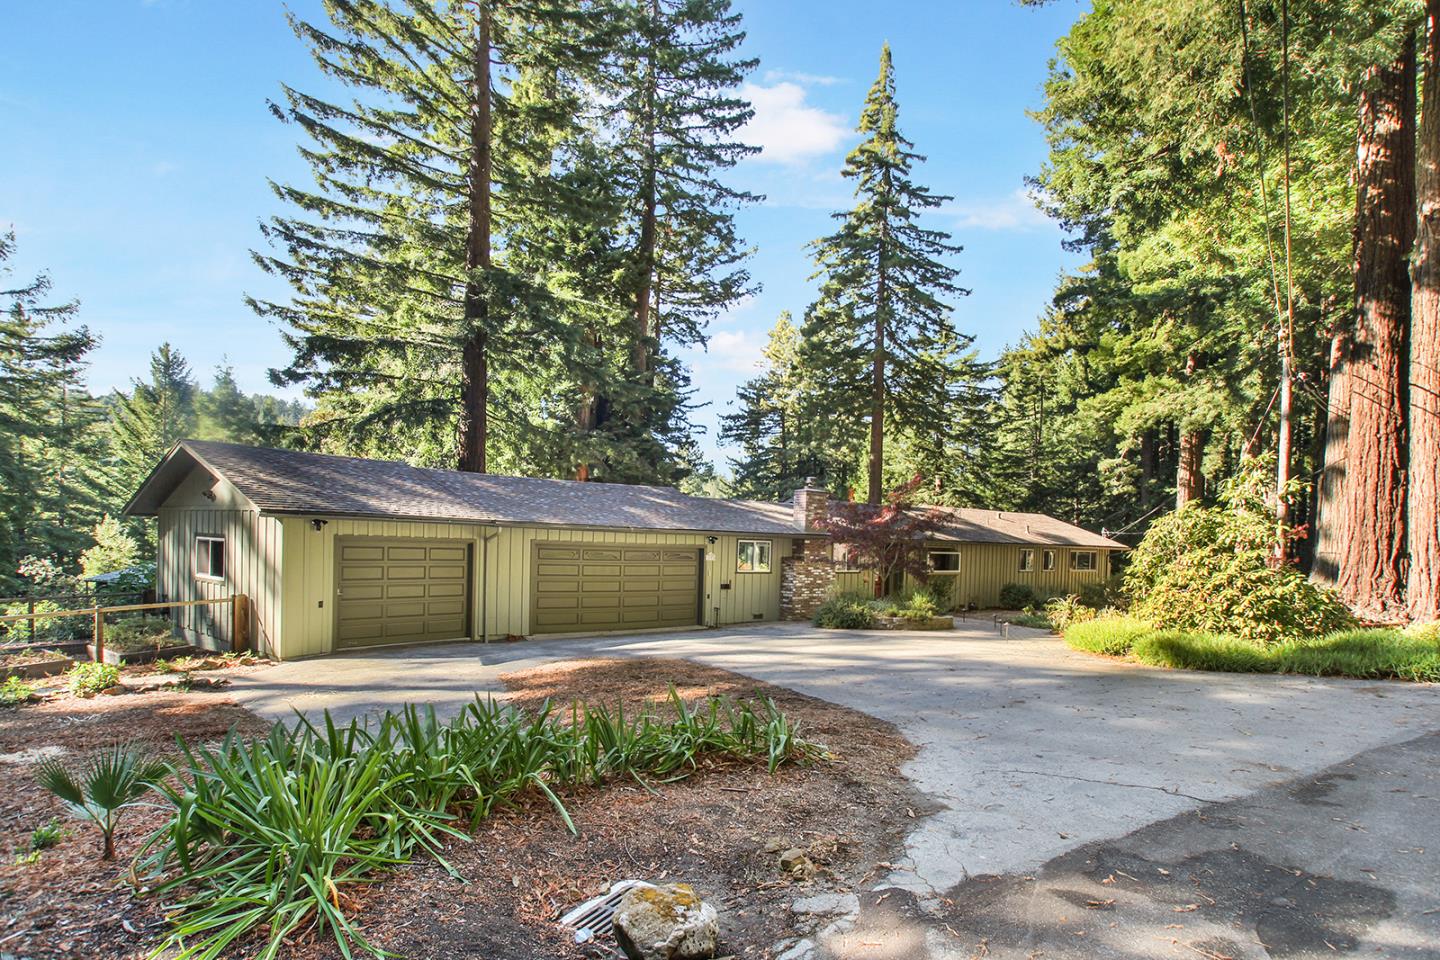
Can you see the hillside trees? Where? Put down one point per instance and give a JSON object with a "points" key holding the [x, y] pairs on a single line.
{"points": [[51, 481]]}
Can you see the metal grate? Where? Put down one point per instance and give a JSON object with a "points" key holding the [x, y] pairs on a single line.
{"points": [[594, 917]]}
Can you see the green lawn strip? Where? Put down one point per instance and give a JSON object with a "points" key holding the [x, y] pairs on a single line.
{"points": [[1376, 653]]}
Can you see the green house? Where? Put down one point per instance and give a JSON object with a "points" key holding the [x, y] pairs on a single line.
{"points": [[340, 553]]}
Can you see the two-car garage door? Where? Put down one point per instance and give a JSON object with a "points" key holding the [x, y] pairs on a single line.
{"points": [[418, 591], [579, 587]]}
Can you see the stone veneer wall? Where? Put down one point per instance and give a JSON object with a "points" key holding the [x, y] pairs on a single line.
{"points": [[805, 579]]}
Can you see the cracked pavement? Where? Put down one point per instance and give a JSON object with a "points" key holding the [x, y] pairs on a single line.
{"points": [[1029, 751]]}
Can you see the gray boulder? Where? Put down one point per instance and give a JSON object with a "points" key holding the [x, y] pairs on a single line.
{"points": [[666, 923]]}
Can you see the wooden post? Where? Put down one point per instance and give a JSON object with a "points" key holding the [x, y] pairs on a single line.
{"points": [[239, 623], [99, 635]]}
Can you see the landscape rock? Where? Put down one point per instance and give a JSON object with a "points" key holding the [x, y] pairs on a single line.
{"points": [[666, 923], [803, 950], [827, 904], [797, 863]]}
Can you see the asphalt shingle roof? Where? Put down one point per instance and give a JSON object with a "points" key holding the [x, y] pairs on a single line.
{"points": [[316, 484], [294, 482]]}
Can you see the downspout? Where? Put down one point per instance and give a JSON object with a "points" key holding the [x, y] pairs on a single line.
{"points": [[485, 594]]}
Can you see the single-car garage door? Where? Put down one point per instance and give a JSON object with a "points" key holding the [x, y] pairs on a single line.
{"points": [[585, 586], [400, 591]]}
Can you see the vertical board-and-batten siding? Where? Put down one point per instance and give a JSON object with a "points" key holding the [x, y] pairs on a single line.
{"points": [[253, 554], [502, 587], [986, 567]]}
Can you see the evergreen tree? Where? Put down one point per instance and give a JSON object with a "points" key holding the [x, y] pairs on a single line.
{"points": [[153, 417], [881, 328], [770, 426], [50, 479], [409, 321], [224, 412], [114, 549]]}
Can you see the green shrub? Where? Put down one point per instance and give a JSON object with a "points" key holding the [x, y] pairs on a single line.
{"points": [[88, 679], [1063, 611], [1034, 621], [1112, 636], [1108, 593], [1017, 596], [846, 611], [15, 691], [1208, 569], [1186, 650], [134, 634], [1366, 654], [1424, 631], [265, 834], [46, 836], [917, 605]]}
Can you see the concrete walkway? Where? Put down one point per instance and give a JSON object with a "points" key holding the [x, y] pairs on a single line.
{"points": [[1029, 749]]}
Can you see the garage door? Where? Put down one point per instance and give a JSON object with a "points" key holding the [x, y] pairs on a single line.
{"points": [[400, 591], [581, 587]]}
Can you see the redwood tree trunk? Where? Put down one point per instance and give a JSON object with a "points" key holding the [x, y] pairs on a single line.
{"points": [[475, 370], [1423, 504], [640, 349], [1189, 478], [1329, 500], [1371, 558]]}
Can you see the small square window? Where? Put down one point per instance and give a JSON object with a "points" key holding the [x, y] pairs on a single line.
{"points": [[210, 558], [1047, 560], [1027, 560], [945, 561], [844, 556], [752, 556], [1083, 560]]}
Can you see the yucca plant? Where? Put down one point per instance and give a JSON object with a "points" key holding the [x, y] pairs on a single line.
{"points": [[113, 780]]}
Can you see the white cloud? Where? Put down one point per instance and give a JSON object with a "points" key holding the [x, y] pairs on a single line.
{"points": [[805, 79], [786, 128], [1013, 212], [738, 351]]}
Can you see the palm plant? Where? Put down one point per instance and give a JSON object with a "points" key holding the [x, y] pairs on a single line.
{"points": [[111, 782]]}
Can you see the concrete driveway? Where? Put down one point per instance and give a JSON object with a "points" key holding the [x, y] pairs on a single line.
{"points": [[1031, 753]]}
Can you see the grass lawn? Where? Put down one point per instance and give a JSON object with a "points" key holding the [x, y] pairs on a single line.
{"points": [[521, 867], [1383, 654]]}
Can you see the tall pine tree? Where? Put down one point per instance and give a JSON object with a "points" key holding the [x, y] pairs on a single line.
{"points": [[881, 328], [408, 319]]}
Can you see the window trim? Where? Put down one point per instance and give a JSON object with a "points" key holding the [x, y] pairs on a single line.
{"points": [[210, 540], [1027, 560], [769, 555], [943, 553], [845, 563], [1094, 556], [1048, 560]]}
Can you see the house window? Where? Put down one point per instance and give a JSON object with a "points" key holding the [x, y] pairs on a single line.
{"points": [[1047, 560], [1083, 560], [1027, 560], [210, 558], [945, 561], [753, 556], [844, 556]]}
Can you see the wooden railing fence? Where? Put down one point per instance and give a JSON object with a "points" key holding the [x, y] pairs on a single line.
{"points": [[239, 618]]}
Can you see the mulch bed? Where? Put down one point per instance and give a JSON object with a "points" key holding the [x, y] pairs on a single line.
{"points": [[69, 903], [524, 868]]}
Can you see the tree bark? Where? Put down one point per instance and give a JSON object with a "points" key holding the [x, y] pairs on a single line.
{"points": [[1370, 572], [1189, 478], [1423, 501], [640, 349], [475, 371]]}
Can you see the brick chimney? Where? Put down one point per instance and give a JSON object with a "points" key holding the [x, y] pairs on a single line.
{"points": [[811, 505]]}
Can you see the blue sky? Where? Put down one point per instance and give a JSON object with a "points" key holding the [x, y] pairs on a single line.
{"points": [[138, 145]]}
